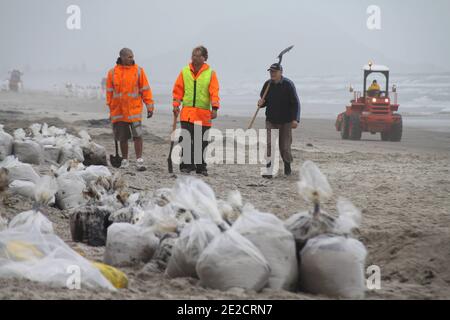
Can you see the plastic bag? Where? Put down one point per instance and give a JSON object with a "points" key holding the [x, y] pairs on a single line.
{"points": [[232, 261], [70, 151], [349, 217], [195, 195], [70, 191], [127, 244], [92, 173], [333, 266], [33, 219], [6, 144], [23, 188], [45, 258], [313, 185], [18, 170], [193, 240], [275, 242], [28, 151], [51, 153], [117, 278]]}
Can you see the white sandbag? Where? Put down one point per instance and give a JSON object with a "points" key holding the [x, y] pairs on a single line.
{"points": [[70, 191], [68, 166], [28, 220], [94, 154], [18, 170], [28, 151], [45, 258], [232, 261], [23, 188], [275, 242], [52, 153], [333, 266], [6, 144], [92, 173], [46, 188], [194, 239], [71, 151], [127, 244], [195, 195]]}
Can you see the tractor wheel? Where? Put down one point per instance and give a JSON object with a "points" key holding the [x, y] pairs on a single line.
{"points": [[397, 130], [344, 127], [385, 136], [354, 127]]}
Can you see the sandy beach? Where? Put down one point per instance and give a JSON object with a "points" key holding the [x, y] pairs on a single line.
{"points": [[402, 189]]}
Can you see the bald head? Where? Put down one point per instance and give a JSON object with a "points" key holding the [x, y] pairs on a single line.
{"points": [[126, 57]]}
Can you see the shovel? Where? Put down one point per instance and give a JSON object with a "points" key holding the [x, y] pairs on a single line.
{"points": [[172, 142], [116, 160]]}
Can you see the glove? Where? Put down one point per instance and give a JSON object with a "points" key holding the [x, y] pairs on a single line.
{"points": [[149, 114]]}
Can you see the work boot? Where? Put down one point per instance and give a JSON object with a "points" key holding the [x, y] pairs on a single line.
{"points": [[287, 169], [187, 168], [124, 164], [202, 170], [140, 165], [267, 176]]}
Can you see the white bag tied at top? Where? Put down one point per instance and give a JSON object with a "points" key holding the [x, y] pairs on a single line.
{"points": [[232, 261], [334, 266], [275, 242]]}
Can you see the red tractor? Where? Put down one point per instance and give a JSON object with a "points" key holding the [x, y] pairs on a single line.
{"points": [[373, 111]]}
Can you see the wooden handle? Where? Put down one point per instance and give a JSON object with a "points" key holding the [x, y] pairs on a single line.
{"points": [[257, 109], [174, 126]]}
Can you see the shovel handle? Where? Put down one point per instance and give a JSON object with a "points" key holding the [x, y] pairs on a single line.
{"points": [[257, 109], [174, 126]]}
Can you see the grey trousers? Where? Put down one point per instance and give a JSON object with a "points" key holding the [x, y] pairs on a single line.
{"points": [[285, 140]]}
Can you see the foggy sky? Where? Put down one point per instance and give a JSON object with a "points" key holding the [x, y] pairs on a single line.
{"points": [[243, 37]]}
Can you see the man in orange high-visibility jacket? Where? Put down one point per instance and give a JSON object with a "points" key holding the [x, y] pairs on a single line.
{"points": [[197, 88], [126, 87]]}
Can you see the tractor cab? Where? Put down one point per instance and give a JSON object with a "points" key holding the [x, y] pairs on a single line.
{"points": [[372, 110]]}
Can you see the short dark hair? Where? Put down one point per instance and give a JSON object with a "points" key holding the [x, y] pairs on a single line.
{"points": [[203, 51]]}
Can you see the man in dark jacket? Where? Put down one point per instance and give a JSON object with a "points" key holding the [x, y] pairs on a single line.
{"points": [[282, 113]]}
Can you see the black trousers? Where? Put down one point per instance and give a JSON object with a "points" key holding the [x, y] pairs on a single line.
{"points": [[188, 159]]}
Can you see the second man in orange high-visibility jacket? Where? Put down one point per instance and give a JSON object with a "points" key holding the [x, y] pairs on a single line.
{"points": [[126, 88], [197, 89]]}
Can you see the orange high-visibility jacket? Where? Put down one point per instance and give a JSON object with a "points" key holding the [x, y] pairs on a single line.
{"points": [[194, 114], [126, 88]]}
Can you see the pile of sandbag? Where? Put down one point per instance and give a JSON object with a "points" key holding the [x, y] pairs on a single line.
{"points": [[331, 260], [51, 144]]}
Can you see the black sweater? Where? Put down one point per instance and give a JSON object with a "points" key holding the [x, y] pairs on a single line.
{"points": [[282, 102]]}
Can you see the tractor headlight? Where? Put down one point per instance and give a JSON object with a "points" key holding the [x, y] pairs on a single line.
{"points": [[386, 100], [374, 100]]}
